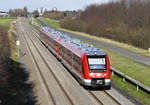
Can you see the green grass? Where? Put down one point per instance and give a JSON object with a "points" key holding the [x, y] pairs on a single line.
{"points": [[130, 68], [50, 22], [35, 23], [129, 88], [5, 22]]}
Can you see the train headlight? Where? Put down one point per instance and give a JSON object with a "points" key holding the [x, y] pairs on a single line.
{"points": [[91, 74], [107, 80], [98, 74]]}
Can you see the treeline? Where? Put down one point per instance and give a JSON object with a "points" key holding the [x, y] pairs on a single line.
{"points": [[59, 15], [125, 21], [18, 12]]}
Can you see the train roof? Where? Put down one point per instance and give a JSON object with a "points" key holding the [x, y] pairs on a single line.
{"points": [[84, 47]]}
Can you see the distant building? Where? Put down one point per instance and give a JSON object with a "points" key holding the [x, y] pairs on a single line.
{"points": [[73, 13], [3, 14], [54, 9], [41, 11]]}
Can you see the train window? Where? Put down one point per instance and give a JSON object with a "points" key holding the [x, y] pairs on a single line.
{"points": [[68, 56], [72, 59], [55, 45], [97, 64], [77, 63], [50, 41], [97, 61], [62, 50]]}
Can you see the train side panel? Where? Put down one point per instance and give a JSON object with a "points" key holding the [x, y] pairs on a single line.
{"points": [[72, 61]]}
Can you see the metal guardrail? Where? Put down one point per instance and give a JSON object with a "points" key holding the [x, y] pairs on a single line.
{"points": [[138, 84]]}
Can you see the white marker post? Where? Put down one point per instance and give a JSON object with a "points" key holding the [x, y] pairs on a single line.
{"points": [[148, 49], [17, 42]]}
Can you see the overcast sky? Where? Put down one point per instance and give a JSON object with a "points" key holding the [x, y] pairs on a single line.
{"points": [[5, 5]]}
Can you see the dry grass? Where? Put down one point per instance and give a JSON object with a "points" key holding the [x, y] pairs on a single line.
{"points": [[12, 40], [118, 44], [15, 89]]}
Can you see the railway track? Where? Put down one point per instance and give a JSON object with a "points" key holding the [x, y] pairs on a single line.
{"points": [[64, 90], [104, 98], [54, 76], [53, 100]]}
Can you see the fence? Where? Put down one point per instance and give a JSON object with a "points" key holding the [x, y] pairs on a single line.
{"points": [[131, 80]]}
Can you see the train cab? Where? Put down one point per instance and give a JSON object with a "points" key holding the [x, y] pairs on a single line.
{"points": [[98, 69]]}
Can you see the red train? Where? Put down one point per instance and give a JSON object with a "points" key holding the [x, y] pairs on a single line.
{"points": [[87, 63]]}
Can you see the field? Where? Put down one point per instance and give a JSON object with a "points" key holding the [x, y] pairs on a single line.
{"points": [[50, 22], [129, 67]]}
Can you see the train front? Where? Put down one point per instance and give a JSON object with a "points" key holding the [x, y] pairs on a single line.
{"points": [[96, 69]]}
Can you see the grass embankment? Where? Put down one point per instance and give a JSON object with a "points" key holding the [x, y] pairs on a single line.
{"points": [[12, 39], [130, 89], [9, 26], [15, 90], [5, 22], [50, 22], [129, 67]]}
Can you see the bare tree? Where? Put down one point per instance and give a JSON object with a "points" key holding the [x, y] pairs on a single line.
{"points": [[120, 20]]}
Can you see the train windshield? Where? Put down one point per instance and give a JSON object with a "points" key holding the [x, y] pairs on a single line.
{"points": [[97, 64]]}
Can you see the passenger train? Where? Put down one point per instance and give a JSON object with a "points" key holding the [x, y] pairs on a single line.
{"points": [[87, 63]]}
